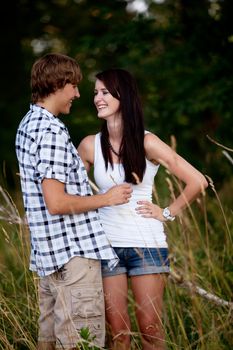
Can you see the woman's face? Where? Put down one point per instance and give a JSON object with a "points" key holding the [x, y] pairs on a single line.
{"points": [[105, 103]]}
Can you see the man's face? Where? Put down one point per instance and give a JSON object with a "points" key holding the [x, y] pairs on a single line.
{"points": [[65, 98]]}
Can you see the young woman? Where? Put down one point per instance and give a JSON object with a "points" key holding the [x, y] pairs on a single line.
{"points": [[124, 152]]}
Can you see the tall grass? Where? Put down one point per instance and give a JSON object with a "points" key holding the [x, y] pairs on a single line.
{"points": [[18, 291], [201, 253], [200, 244]]}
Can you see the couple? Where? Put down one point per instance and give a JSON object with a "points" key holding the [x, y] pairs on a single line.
{"points": [[75, 234]]}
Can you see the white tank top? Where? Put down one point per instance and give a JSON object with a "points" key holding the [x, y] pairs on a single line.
{"points": [[123, 226]]}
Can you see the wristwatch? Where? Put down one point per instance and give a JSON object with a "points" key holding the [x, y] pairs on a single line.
{"points": [[167, 214]]}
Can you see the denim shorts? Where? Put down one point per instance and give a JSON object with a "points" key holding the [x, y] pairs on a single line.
{"points": [[138, 261]]}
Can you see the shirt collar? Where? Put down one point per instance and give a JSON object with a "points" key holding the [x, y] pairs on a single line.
{"points": [[39, 109]]}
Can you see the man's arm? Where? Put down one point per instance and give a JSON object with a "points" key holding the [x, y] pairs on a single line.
{"points": [[59, 202]]}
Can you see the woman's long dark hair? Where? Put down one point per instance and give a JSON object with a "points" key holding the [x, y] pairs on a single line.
{"points": [[123, 87]]}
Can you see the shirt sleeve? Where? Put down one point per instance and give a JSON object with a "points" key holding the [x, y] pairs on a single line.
{"points": [[53, 158]]}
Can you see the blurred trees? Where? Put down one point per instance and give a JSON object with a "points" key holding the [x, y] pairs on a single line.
{"points": [[180, 51]]}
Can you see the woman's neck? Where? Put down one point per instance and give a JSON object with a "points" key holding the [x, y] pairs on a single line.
{"points": [[115, 129]]}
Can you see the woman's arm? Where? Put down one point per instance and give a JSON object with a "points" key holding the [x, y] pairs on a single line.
{"points": [[86, 150], [159, 152]]}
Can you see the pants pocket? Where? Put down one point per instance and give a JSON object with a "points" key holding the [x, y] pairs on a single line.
{"points": [[95, 326], [87, 302], [88, 312]]}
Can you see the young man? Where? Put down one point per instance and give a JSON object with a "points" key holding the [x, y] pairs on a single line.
{"points": [[67, 240]]}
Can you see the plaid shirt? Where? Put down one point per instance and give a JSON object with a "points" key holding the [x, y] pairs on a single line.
{"points": [[44, 150]]}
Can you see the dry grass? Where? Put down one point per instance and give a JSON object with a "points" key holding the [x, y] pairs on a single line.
{"points": [[201, 255]]}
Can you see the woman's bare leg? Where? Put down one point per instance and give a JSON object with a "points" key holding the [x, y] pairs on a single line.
{"points": [[116, 305], [148, 293]]}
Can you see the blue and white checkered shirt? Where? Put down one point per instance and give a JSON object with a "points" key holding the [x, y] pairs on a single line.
{"points": [[44, 150]]}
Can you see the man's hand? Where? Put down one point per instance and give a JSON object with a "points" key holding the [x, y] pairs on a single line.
{"points": [[59, 202], [119, 194]]}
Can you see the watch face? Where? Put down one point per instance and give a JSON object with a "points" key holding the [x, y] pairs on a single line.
{"points": [[166, 212]]}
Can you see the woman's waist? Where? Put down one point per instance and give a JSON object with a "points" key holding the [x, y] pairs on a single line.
{"points": [[126, 216], [135, 197]]}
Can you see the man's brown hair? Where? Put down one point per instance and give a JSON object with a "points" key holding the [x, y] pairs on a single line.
{"points": [[51, 73]]}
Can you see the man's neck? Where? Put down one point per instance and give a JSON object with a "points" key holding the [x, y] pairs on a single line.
{"points": [[49, 105]]}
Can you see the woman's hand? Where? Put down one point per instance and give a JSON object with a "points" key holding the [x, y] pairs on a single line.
{"points": [[149, 210]]}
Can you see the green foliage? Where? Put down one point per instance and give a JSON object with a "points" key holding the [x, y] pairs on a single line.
{"points": [[180, 52], [87, 340]]}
